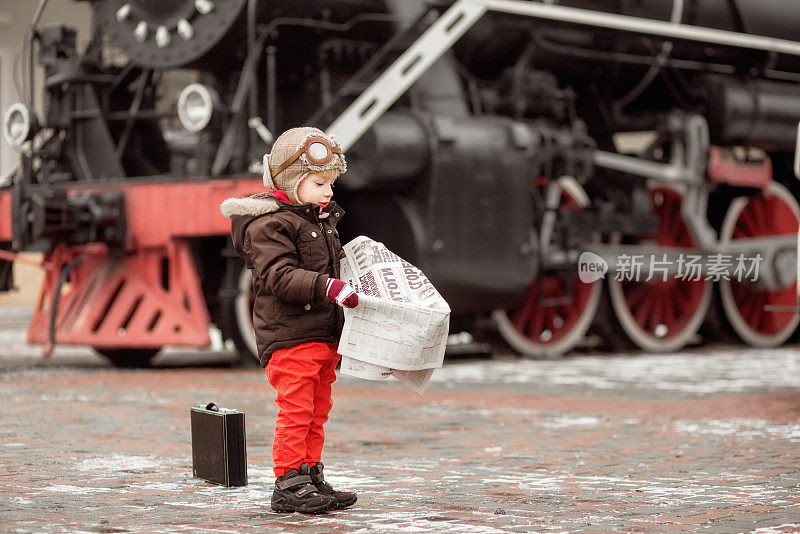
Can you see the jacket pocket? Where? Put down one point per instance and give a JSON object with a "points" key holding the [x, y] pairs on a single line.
{"points": [[297, 319], [293, 308], [312, 247]]}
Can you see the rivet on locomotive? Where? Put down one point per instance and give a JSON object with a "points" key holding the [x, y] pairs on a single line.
{"points": [[490, 142]]}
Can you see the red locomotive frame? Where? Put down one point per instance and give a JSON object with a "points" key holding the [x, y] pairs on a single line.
{"points": [[151, 296]]}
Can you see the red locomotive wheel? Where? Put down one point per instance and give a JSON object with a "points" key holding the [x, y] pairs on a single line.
{"points": [[662, 316], [245, 336], [235, 314], [556, 311], [747, 217]]}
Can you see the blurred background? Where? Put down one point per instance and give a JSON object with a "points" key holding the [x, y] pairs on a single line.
{"points": [[490, 144]]}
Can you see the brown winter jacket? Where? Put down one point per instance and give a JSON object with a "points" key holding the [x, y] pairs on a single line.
{"points": [[291, 250]]}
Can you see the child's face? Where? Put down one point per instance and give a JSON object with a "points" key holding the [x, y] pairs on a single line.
{"points": [[316, 189]]}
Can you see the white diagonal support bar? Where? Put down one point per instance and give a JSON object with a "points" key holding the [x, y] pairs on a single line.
{"points": [[406, 70], [646, 26]]}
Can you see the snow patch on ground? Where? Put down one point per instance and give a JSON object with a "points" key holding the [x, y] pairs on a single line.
{"points": [[533, 482], [75, 490], [779, 529], [745, 429], [703, 373], [119, 462], [570, 421], [426, 526]]}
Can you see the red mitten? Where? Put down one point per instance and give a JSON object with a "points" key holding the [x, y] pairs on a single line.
{"points": [[341, 293]]}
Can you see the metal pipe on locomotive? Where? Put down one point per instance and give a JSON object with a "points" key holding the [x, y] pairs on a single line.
{"points": [[483, 146]]}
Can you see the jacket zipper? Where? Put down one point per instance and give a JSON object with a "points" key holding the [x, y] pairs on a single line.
{"points": [[327, 241], [333, 260]]}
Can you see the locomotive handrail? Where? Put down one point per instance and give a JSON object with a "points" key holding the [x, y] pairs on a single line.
{"points": [[640, 25], [463, 14]]}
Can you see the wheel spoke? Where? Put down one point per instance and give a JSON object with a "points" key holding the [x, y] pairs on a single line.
{"points": [[760, 216], [748, 226], [642, 313], [676, 228], [748, 308], [758, 311], [568, 313], [636, 294], [522, 317], [536, 322], [682, 301], [669, 314]]}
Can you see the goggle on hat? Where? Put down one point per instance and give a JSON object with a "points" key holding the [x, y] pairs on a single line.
{"points": [[318, 153]]}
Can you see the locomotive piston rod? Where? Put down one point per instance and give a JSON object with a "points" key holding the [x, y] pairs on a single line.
{"points": [[641, 25]]}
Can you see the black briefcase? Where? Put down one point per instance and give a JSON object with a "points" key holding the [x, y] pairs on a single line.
{"points": [[219, 450]]}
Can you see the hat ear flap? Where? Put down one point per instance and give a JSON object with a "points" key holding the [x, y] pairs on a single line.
{"points": [[268, 182], [292, 192]]}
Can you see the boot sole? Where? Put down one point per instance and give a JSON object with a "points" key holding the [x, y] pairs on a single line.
{"points": [[303, 509], [346, 504]]}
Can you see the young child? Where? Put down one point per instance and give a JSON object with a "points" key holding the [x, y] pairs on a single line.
{"points": [[288, 239]]}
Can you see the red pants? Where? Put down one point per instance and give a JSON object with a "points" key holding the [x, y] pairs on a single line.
{"points": [[302, 375]]}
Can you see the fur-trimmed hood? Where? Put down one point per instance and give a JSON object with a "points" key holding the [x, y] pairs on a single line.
{"points": [[242, 211], [254, 205]]}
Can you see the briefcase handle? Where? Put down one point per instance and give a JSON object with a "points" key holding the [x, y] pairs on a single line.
{"points": [[212, 407]]}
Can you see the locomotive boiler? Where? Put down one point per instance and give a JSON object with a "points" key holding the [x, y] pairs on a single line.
{"points": [[493, 143]]}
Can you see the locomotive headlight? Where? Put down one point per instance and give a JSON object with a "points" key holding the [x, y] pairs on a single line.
{"points": [[196, 106], [19, 125]]}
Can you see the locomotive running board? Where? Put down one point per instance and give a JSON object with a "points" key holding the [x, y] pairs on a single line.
{"points": [[463, 14]]}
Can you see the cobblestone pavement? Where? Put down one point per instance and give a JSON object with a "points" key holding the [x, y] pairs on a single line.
{"points": [[706, 441]]}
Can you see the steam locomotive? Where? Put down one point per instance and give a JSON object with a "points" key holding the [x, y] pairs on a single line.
{"points": [[489, 142]]}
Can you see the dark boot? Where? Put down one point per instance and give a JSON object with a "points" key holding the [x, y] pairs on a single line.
{"points": [[343, 498], [294, 492]]}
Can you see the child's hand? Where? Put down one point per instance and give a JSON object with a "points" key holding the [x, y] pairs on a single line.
{"points": [[341, 293]]}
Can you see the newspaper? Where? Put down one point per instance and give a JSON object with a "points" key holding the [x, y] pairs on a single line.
{"points": [[400, 325]]}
